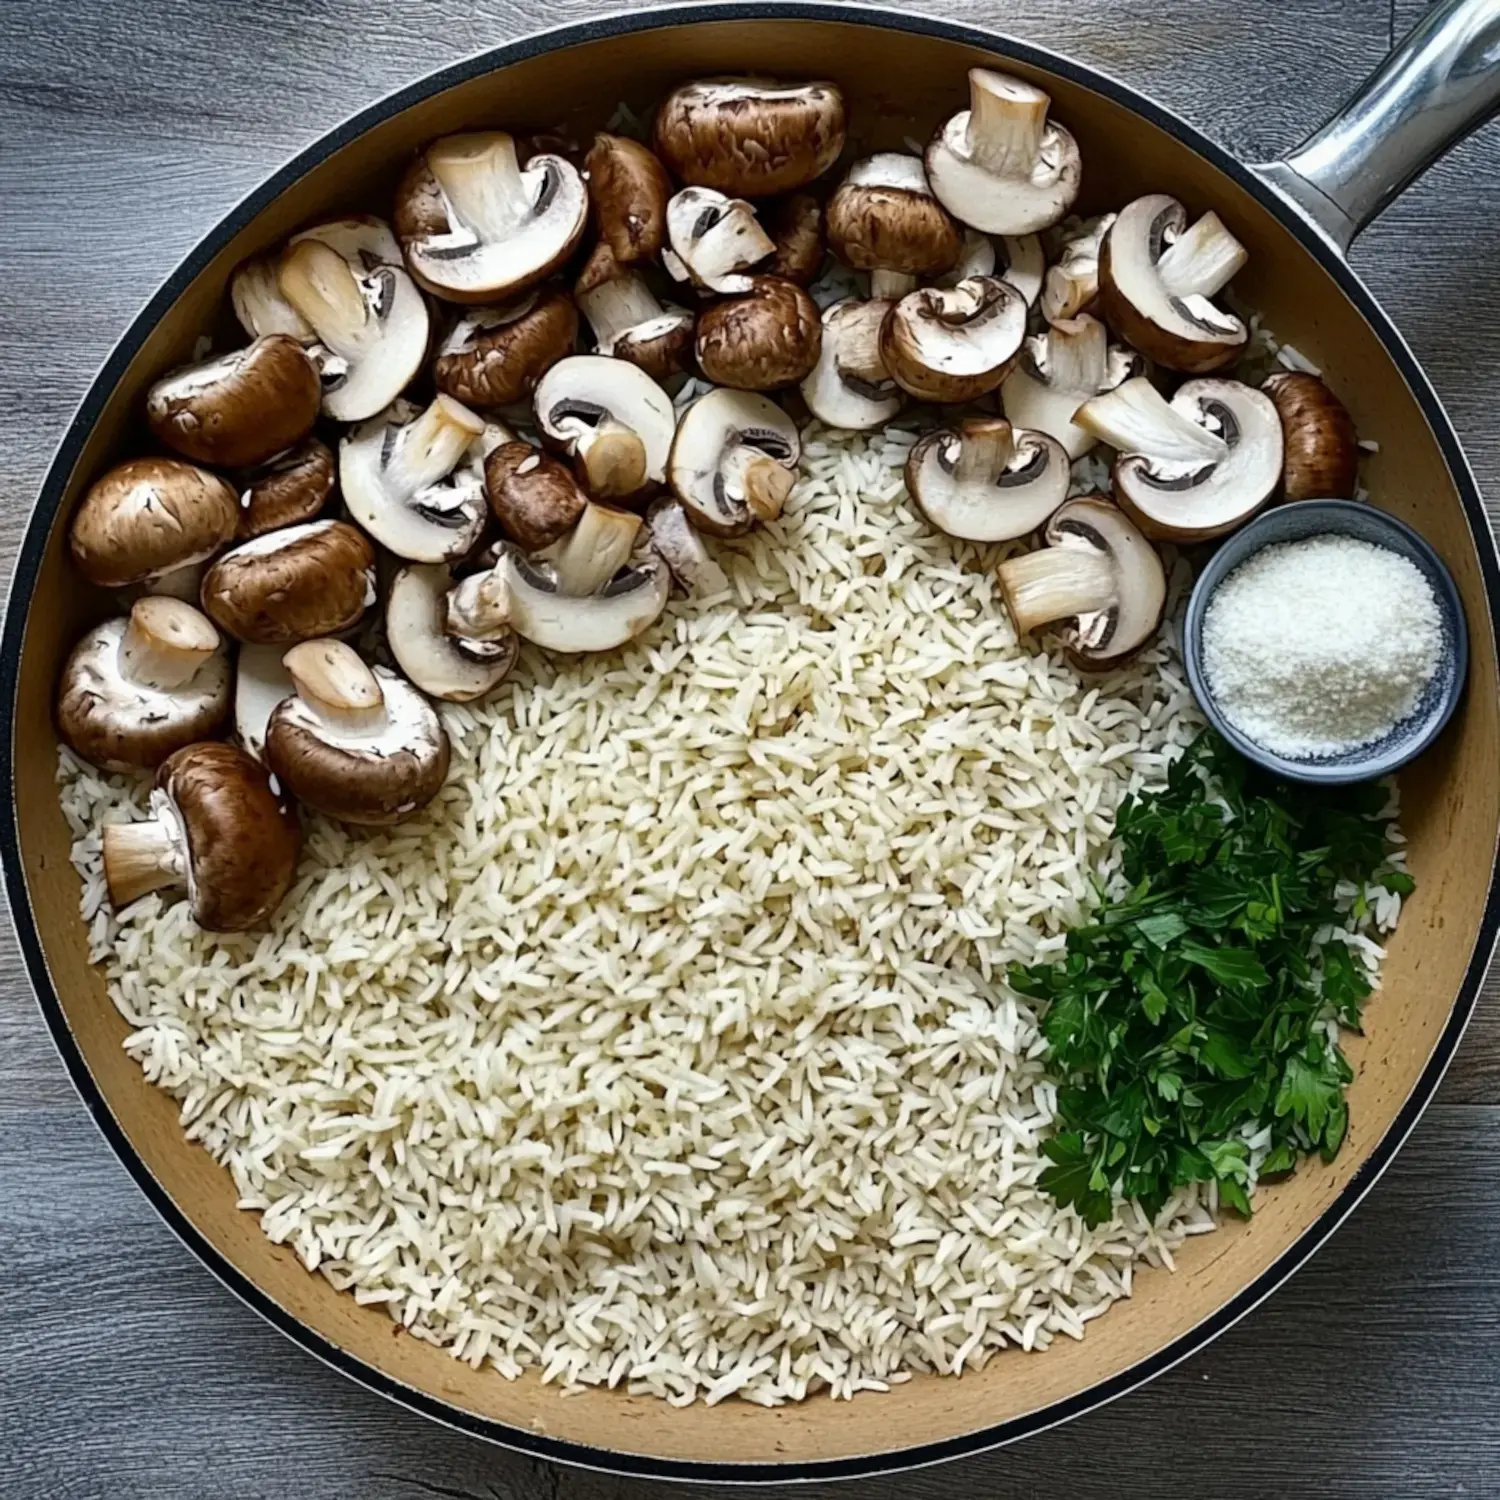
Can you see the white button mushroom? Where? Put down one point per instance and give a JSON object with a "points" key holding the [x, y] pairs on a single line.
{"points": [[1059, 369], [628, 321], [734, 461], [884, 219], [714, 240], [1001, 165], [442, 666], [135, 689], [1073, 283], [494, 356], [954, 345], [851, 386], [217, 829], [985, 481]]}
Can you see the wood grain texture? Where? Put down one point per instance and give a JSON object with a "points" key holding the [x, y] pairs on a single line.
{"points": [[125, 1370]]}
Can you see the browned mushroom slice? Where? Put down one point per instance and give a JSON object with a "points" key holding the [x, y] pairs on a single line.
{"points": [[884, 219], [494, 356], [1059, 369], [1322, 450], [956, 344], [762, 341], [714, 240], [734, 461], [628, 321], [290, 489], [985, 481], [628, 188], [851, 386]]}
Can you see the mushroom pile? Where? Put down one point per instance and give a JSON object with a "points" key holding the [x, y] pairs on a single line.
{"points": [[522, 408]]}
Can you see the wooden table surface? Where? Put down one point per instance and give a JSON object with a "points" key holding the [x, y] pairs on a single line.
{"points": [[126, 1371]]}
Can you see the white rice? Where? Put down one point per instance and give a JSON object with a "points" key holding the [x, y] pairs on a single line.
{"points": [[669, 1048]]}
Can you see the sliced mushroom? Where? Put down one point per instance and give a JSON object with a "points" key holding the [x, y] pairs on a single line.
{"points": [[734, 461], [611, 419], [682, 548], [985, 481], [536, 499], [237, 409], [1157, 279], [416, 614], [1096, 571], [762, 341], [714, 240], [957, 344], [217, 828], [1059, 369], [1195, 467], [1322, 450], [628, 188], [255, 292], [517, 594], [753, 137], [884, 219], [136, 689], [478, 227], [795, 223], [356, 743], [1001, 165], [261, 681], [851, 387], [410, 479], [1073, 283], [597, 547], [291, 488], [346, 281], [1018, 257], [494, 356], [293, 584], [627, 320], [150, 516]]}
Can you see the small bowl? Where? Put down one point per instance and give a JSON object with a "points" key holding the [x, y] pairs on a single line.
{"points": [[1291, 523]]}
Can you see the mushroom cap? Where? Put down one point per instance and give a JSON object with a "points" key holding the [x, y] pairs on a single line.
{"points": [[148, 516], [628, 188], [1059, 369], [242, 839], [795, 224], [628, 603], [372, 775], [884, 218], [1176, 325], [851, 388], [238, 409], [766, 339], [1001, 165], [291, 585], [733, 460], [1322, 448], [370, 320], [984, 481], [476, 226], [714, 240], [751, 137], [535, 498], [261, 681], [288, 490], [681, 547], [494, 356], [954, 344], [416, 611], [120, 724]]}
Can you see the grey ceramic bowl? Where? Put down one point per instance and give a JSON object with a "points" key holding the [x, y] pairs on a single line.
{"points": [[1291, 523]]}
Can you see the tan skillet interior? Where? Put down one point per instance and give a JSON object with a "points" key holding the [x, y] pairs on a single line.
{"points": [[898, 85]]}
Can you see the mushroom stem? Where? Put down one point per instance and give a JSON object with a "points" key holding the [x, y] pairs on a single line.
{"points": [[1056, 583], [616, 306], [595, 549], [1202, 260], [986, 448], [614, 460], [859, 356], [1077, 355], [479, 607], [890, 286], [165, 643], [481, 178], [1136, 418], [767, 485], [331, 680], [429, 448], [140, 858], [318, 283], [1007, 119]]}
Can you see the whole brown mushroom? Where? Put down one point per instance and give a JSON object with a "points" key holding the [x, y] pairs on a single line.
{"points": [[291, 489], [885, 220], [494, 356], [1321, 459], [766, 339], [795, 224], [534, 497], [628, 190]]}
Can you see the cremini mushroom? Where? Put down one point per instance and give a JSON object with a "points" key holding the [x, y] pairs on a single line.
{"points": [[413, 480], [255, 293], [238, 409], [954, 344], [287, 490], [135, 689], [476, 226], [714, 240], [628, 188], [219, 829], [1097, 572], [1001, 165], [795, 224], [494, 356], [534, 497], [355, 743], [851, 387], [1073, 283], [612, 419], [292, 585], [150, 516], [1157, 279], [1016, 258], [762, 341], [734, 461], [752, 137], [442, 666], [627, 320], [883, 219], [985, 481], [1322, 449], [346, 282], [594, 550], [1195, 467], [261, 681], [1059, 369], [681, 546]]}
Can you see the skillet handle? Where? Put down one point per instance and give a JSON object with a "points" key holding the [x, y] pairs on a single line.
{"points": [[1442, 82]]}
